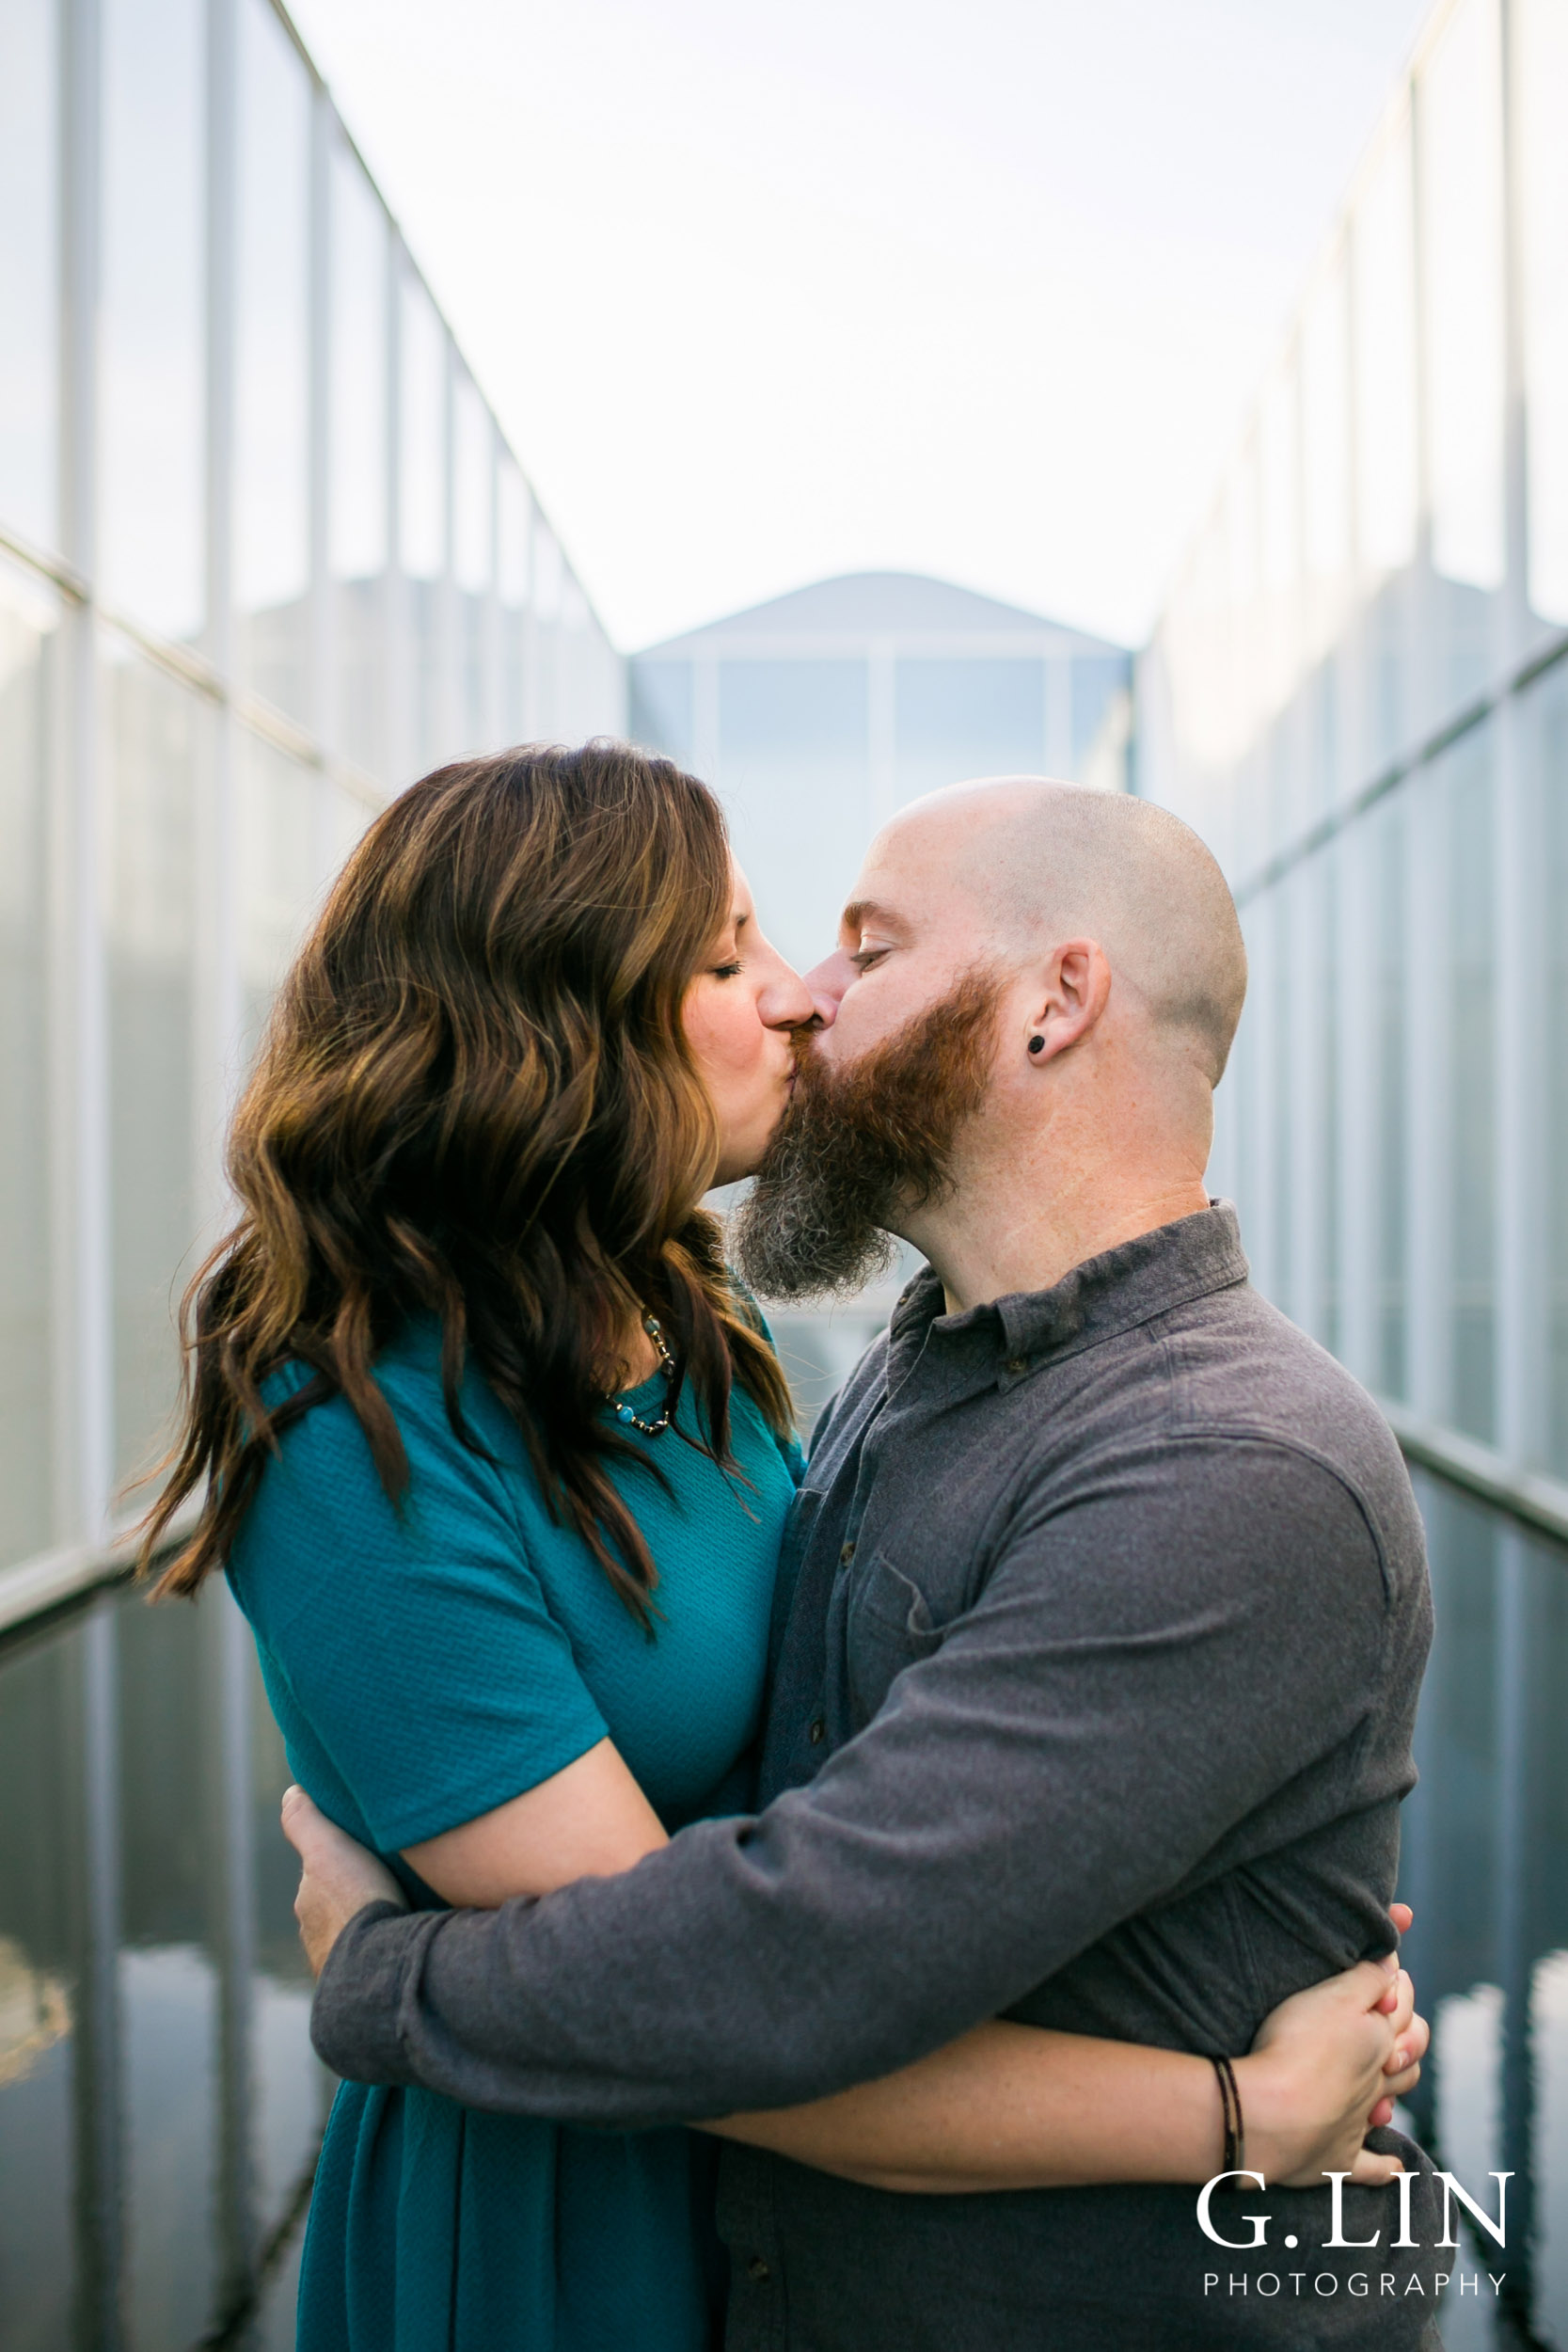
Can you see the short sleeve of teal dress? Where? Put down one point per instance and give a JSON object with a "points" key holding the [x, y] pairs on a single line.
{"points": [[425, 1663]]}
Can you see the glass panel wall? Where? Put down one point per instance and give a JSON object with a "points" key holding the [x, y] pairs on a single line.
{"points": [[1550, 727], [30, 623], [158, 766], [1461, 182], [1538, 32], [794, 761], [283, 862], [194, 731], [966, 718], [1386, 847], [357, 462], [272, 375], [473, 560], [514, 563], [151, 539], [29, 270], [1465, 782], [422, 516]]}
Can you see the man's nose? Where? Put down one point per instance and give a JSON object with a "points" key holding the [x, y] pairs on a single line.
{"points": [[826, 984]]}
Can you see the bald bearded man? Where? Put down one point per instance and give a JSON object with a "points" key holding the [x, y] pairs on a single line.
{"points": [[1102, 1620]]}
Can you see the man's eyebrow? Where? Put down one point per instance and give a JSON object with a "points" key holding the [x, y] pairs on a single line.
{"points": [[863, 911]]}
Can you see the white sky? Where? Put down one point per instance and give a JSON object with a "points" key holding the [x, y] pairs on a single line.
{"points": [[760, 293]]}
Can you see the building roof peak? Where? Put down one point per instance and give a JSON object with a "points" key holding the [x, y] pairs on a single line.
{"points": [[888, 603]]}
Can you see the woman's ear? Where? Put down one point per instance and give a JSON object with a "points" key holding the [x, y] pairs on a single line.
{"points": [[1076, 992]]}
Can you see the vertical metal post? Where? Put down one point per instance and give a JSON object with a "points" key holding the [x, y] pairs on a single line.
{"points": [[1304, 1077], [82, 1352], [1058, 714], [1520, 915], [492, 719], [320, 617], [1360, 1172], [398, 648], [881, 738], [218, 998], [533, 650], [704, 717], [447, 698], [100, 2134]]}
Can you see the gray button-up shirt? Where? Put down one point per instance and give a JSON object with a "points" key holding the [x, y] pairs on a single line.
{"points": [[1100, 1625]]}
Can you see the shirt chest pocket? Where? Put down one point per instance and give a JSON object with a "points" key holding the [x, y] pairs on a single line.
{"points": [[887, 1628]]}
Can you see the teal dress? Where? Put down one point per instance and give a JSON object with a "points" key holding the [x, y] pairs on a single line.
{"points": [[425, 1664]]}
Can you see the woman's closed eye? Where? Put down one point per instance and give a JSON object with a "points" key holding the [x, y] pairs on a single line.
{"points": [[727, 971]]}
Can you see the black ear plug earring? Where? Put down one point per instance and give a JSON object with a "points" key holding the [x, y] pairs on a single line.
{"points": [[1036, 1046]]}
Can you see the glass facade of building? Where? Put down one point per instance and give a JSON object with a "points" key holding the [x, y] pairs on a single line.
{"points": [[264, 556], [818, 714], [1358, 694]]}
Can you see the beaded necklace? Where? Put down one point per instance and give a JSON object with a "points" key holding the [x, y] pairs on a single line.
{"points": [[666, 1366]]}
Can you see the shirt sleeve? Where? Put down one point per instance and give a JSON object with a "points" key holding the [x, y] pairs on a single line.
{"points": [[415, 1638], [1079, 1741]]}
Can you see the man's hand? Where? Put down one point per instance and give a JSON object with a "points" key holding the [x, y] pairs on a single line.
{"points": [[339, 1879]]}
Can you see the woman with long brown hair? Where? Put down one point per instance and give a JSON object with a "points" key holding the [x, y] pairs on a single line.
{"points": [[497, 1459]]}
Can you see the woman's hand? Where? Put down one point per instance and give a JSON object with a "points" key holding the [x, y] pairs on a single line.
{"points": [[1326, 2067]]}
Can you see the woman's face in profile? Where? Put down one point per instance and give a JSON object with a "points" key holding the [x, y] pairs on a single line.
{"points": [[740, 1013]]}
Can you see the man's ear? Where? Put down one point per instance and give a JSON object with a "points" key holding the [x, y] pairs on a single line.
{"points": [[1076, 990]]}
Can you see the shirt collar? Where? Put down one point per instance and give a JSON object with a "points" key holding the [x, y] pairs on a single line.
{"points": [[1121, 1288]]}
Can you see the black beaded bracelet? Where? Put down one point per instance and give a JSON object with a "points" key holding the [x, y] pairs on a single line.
{"points": [[1230, 2102]]}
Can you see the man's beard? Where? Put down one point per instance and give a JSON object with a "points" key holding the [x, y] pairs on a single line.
{"points": [[860, 1146]]}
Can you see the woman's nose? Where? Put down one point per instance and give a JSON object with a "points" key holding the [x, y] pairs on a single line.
{"points": [[787, 1002]]}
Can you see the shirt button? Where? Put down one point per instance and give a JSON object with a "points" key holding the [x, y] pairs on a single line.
{"points": [[756, 2268], [845, 1553], [817, 1731], [1017, 1365]]}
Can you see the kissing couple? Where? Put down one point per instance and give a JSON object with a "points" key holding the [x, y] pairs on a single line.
{"points": [[844, 1902]]}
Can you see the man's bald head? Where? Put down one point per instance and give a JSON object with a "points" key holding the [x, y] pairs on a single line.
{"points": [[1056, 861]]}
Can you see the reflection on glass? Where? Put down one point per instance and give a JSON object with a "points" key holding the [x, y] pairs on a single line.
{"points": [[158, 759], [30, 268], [28, 618], [1279, 519], [794, 771], [1472, 932], [514, 566], [966, 718], [549, 579], [1383, 283], [423, 547], [472, 556], [1462, 250], [1550, 727], [357, 534], [1539, 42], [1095, 678], [663, 708], [150, 551], [1325, 427], [1384, 842], [1286, 912], [1328, 1046], [422, 511], [285, 863], [200, 2117], [272, 363], [1484, 1833]]}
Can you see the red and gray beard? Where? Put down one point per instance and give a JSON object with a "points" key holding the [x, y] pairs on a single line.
{"points": [[861, 1145]]}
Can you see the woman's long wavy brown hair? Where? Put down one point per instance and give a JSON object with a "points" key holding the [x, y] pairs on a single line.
{"points": [[475, 1101]]}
